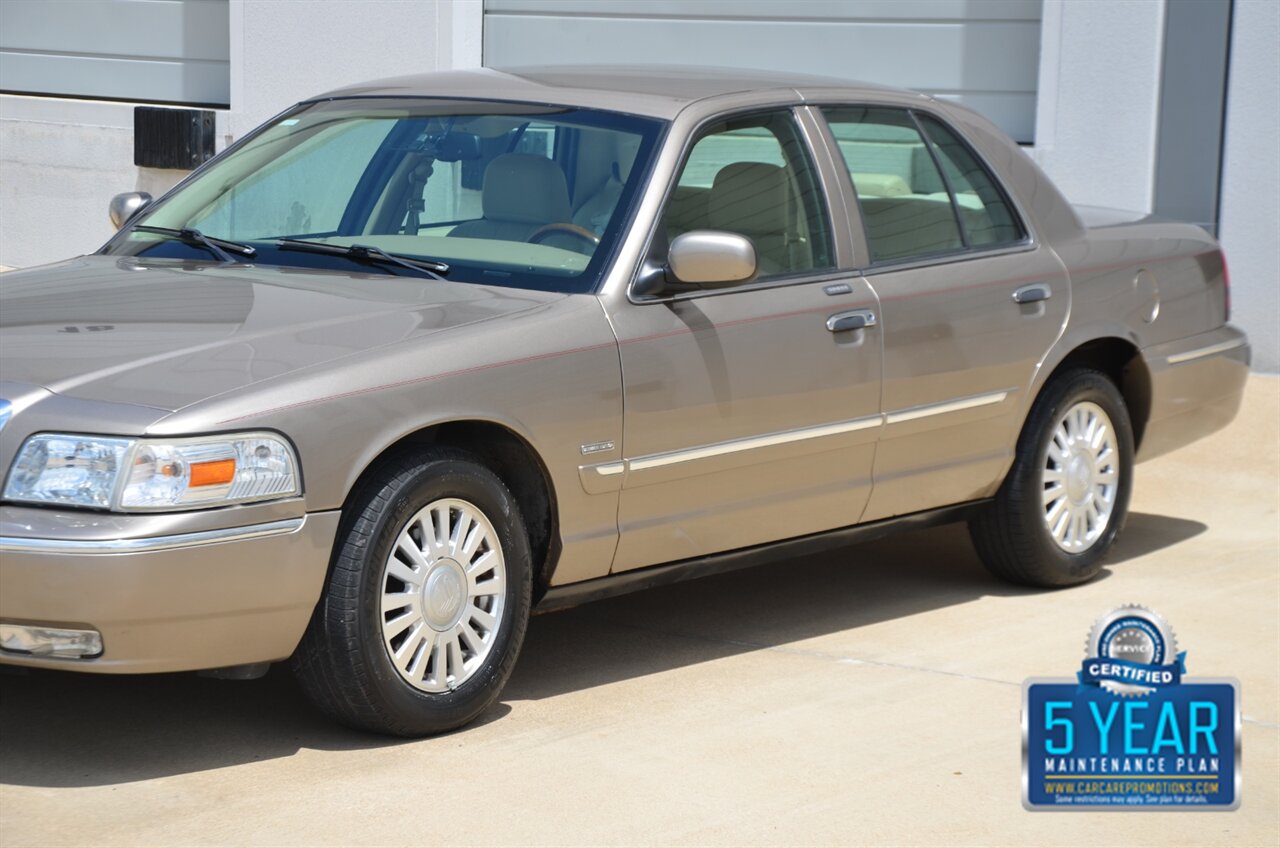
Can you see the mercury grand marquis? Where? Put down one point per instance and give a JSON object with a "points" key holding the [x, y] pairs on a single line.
{"points": [[420, 356]]}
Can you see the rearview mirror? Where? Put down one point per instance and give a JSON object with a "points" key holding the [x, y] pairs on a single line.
{"points": [[125, 206], [711, 258], [458, 147]]}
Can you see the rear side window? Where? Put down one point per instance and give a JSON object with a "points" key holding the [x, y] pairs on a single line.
{"points": [[918, 197]]}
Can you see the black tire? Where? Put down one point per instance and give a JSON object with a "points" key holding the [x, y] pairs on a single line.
{"points": [[1011, 534], [342, 662]]}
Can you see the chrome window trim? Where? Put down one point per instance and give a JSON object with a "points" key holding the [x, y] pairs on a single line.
{"points": [[1200, 353], [948, 258], [95, 547], [826, 276]]}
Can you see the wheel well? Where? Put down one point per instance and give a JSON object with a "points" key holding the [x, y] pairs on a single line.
{"points": [[1123, 363], [516, 463]]}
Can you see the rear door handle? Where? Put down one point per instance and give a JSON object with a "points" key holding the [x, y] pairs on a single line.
{"points": [[1033, 293], [854, 319]]}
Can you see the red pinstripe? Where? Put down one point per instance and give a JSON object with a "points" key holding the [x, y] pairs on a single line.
{"points": [[687, 330]]}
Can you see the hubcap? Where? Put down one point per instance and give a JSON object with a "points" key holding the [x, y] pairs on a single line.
{"points": [[443, 592], [1081, 477]]}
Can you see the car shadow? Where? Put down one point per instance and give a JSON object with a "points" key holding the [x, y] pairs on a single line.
{"points": [[59, 729], [780, 603]]}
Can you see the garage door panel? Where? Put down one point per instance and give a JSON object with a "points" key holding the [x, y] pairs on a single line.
{"points": [[1012, 111], [988, 60], [822, 10], [106, 77], [163, 50]]}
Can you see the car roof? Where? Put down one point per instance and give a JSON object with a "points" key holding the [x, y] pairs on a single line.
{"points": [[655, 90]]}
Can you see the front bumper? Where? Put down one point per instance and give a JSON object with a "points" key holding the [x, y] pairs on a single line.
{"points": [[1197, 385], [167, 593]]}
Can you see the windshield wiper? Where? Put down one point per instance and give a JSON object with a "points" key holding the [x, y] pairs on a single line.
{"points": [[218, 247], [368, 253]]}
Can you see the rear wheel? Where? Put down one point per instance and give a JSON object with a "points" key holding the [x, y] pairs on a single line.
{"points": [[1067, 494], [426, 606]]}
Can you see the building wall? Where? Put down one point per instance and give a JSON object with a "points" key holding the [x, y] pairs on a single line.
{"points": [[1096, 133], [62, 160], [1099, 99], [1250, 210]]}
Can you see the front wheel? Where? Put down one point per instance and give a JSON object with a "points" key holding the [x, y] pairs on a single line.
{"points": [[1067, 494], [427, 602]]}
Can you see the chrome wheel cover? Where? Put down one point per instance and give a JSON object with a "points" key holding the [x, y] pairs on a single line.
{"points": [[443, 589], [1081, 477]]}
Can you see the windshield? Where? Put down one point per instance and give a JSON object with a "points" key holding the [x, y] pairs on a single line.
{"points": [[502, 193]]}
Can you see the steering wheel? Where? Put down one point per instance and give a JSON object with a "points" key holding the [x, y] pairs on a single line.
{"points": [[569, 229]]}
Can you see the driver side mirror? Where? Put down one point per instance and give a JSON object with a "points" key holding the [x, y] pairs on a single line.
{"points": [[701, 259], [125, 206]]}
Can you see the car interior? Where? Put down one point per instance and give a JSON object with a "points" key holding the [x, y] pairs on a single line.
{"points": [[906, 206]]}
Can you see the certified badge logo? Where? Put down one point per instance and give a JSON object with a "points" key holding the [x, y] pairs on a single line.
{"points": [[1131, 731], [1127, 653]]}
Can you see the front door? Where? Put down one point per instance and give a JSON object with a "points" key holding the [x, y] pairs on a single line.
{"points": [[746, 419]]}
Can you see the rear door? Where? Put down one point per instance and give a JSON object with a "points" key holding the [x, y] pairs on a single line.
{"points": [[970, 304], [746, 419]]}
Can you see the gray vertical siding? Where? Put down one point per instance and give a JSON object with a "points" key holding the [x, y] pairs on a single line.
{"points": [[982, 53], [1193, 100], [152, 50]]}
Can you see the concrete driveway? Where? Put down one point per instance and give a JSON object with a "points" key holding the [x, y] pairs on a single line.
{"points": [[867, 697]]}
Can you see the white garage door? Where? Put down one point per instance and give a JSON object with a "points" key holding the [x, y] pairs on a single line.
{"points": [[983, 53], [167, 51]]}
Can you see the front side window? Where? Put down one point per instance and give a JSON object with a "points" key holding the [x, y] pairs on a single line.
{"points": [[753, 176], [921, 194], [505, 194]]}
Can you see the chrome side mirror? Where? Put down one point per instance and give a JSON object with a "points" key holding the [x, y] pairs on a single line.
{"points": [[711, 258], [125, 206]]}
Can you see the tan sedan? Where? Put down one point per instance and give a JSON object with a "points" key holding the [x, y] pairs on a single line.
{"points": [[420, 356]]}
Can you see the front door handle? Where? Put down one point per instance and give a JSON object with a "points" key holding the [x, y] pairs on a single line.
{"points": [[1033, 293], [854, 319]]}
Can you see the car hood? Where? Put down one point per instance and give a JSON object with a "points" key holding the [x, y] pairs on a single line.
{"points": [[165, 334]]}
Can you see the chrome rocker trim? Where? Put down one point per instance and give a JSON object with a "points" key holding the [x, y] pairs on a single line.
{"points": [[658, 460], [912, 413]]}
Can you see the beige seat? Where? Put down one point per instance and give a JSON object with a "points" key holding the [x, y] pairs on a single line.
{"points": [[909, 226], [521, 195], [753, 199]]}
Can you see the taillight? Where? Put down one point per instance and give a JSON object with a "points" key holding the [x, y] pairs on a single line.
{"points": [[1226, 288]]}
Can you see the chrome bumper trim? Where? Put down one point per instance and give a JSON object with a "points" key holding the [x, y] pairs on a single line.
{"points": [[1199, 353], [17, 544]]}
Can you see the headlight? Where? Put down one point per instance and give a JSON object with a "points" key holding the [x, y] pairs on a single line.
{"points": [[145, 475]]}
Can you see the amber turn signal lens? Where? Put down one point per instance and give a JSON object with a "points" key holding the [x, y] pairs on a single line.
{"points": [[216, 473]]}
